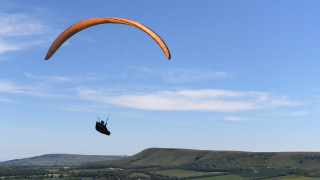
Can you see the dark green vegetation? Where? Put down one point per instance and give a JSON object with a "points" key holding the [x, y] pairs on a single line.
{"points": [[157, 163], [59, 159]]}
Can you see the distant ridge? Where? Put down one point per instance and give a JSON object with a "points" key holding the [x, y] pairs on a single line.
{"points": [[59, 159]]}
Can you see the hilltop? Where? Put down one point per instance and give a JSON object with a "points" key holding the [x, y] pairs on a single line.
{"points": [[205, 160], [59, 159]]}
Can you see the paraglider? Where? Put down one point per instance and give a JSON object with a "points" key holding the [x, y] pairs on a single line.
{"points": [[72, 30], [75, 28], [102, 127]]}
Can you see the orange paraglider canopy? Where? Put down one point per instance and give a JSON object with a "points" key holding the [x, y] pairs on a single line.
{"points": [[65, 35]]}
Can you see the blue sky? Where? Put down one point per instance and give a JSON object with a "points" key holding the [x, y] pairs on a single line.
{"points": [[244, 76]]}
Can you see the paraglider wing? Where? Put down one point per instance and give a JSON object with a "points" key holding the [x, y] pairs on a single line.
{"points": [[65, 35]]}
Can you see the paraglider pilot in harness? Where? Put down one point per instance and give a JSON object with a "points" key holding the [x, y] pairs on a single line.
{"points": [[102, 127]]}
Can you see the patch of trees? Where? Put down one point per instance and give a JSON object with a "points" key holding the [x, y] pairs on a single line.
{"points": [[22, 171], [307, 158], [229, 162]]}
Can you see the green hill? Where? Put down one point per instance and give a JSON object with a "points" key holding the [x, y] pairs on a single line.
{"points": [[202, 160], [165, 163], [59, 159]]}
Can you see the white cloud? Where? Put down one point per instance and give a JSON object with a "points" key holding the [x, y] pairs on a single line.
{"points": [[294, 113], [9, 87], [14, 26], [191, 100], [55, 78], [5, 47], [51, 78], [79, 108], [234, 118], [7, 100], [20, 25], [179, 75], [33, 90]]}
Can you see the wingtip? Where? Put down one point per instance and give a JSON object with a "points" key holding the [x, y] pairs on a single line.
{"points": [[49, 54], [169, 56]]}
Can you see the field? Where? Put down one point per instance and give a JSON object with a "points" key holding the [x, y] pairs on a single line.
{"points": [[180, 173], [49, 172], [224, 177], [236, 177]]}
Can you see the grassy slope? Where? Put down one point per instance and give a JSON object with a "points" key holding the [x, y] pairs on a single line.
{"points": [[236, 177], [302, 160], [215, 160], [294, 178], [59, 159], [224, 177], [182, 157], [180, 173]]}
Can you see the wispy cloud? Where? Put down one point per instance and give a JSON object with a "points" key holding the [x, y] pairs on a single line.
{"points": [[9, 87], [6, 100], [20, 25], [56, 78], [14, 26], [216, 100], [293, 113], [6, 4], [78, 108], [51, 78], [194, 100], [235, 118], [180, 75], [6, 46], [37, 90]]}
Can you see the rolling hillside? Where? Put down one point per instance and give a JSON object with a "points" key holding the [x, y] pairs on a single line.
{"points": [[59, 159], [203, 160], [166, 163]]}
